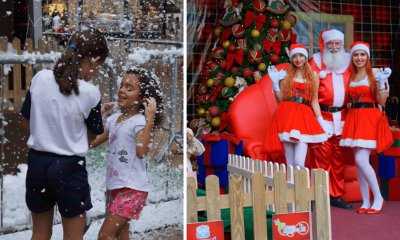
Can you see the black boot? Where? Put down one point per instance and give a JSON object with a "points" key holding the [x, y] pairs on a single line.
{"points": [[340, 203]]}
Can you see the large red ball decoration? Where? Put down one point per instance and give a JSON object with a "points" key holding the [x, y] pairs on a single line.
{"points": [[194, 124], [259, 6], [211, 65], [213, 111], [291, 18], [254, 57], [205, 74], [234, 70], [203, 99], [218, 53], [247, 72], [284, 35], [232, 48], [237, 30], [274, 23], [274, 58], [222, 65]]}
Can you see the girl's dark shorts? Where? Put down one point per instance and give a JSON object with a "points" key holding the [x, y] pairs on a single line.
{"points": [[53, 178]]}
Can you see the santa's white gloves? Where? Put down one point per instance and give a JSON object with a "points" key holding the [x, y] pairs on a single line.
{"points": [[382, 77], [276, 77], [324, 126]]}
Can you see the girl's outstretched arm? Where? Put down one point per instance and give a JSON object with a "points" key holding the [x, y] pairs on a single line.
{"points": [[100, 139], [143, 137]]}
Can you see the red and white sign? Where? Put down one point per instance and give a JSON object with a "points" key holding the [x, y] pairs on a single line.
{"points": [[213, 230], [293, 226]]}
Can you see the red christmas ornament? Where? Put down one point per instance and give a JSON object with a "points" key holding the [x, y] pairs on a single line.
{"points": [[232, 48], [205, 74], [247, 72], [237, 30], [218, 53], [194, 124], [203, 99], [254, 57], [222, 65], [213, 111], [291, 18], [284, 35], [274, 58], [211, 65], [259, 6], [274, 23], [234, 70]]}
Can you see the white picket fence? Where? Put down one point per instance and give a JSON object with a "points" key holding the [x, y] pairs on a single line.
{"points": [[246, 166]]}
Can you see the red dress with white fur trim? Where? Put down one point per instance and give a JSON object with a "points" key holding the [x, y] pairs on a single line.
{"points": [[361, 126], [296, 121]]}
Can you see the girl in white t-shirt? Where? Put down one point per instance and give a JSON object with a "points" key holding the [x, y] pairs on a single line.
{"points": [[129, 134]]}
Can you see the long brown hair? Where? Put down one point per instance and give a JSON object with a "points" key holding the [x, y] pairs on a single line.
{"points": [[89, 43], [308, 75], [368, 69], [149, 88]]}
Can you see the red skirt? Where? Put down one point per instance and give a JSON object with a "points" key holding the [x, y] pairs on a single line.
{"points": [[361, 128], [297, 123]]}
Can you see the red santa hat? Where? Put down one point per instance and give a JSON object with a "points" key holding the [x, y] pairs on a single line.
{"points": [[360, 46], [297, 48], [324, 37]]}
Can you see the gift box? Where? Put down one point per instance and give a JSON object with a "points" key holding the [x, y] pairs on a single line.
{"points": [[388, 167], [389, 189], [216, 153], [394, 150], [220, 172]]}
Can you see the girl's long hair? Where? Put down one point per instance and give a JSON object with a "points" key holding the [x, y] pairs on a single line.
{"points": [[368, 69], [90, 43], [149, 88], [308, 75]]}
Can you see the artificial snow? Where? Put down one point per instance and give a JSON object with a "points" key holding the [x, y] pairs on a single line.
{"points": [[161, 209]]}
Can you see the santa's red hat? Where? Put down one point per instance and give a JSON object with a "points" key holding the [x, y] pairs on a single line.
{"points": [[297, 48], [360, 46], [324, 37]]}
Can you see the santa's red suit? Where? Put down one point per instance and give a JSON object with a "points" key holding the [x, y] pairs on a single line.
{"points": [[332, 97]]}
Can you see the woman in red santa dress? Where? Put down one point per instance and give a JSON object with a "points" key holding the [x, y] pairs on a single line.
{"points": [[360, 130], [296, 91]]}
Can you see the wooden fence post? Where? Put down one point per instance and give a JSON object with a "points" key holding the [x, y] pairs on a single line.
{"points": [[4, 46], [212, 196], [281, 205], [236, 206], [191, 207], [42, 50], [259, 211], [17, 77], [28, 67], [322, 205]]}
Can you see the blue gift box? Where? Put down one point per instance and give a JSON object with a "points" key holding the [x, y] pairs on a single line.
{"points": [[220, 172], [218, 153], [388, 167]]}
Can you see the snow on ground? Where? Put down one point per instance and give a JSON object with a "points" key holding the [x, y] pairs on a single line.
{"points": [[156, 214]]}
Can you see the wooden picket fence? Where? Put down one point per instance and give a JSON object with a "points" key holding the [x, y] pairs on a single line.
{"points": [[281, 196], [17, 93]]}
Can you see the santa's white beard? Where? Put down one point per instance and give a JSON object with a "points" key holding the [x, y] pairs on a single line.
{"points": [[334, 60]]}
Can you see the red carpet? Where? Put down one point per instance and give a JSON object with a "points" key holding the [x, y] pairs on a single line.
{"points": [[349, 225]]}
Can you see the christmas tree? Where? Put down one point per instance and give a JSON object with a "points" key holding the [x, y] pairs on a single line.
{"points": [[251, 35]]}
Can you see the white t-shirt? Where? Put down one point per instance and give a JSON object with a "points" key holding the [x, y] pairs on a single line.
{"points": [[59, 123], [128, 26], [124, 168], [56, 22]]}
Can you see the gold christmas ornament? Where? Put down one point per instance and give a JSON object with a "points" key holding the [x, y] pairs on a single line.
{"points": [[286, 25], [261, 67], [226, 44], [210, 83], [215, 122], [201, 112], [229, 82], [255, 33], [217, 31]]}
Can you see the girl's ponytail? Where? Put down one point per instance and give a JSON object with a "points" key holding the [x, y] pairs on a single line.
{"points": [[83, 44]]}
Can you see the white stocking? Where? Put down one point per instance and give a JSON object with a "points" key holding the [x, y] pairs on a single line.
{"points": [[289, 153], [300, 152], [362, 159]]}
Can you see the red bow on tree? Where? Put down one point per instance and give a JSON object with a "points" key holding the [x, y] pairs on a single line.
{"points": [[214, 93], [224, 121], [250, 16], [275, 45], [226, 33], [231, 57]]}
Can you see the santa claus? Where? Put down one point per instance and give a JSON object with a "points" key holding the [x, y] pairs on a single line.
{"points": [[332, 65]]}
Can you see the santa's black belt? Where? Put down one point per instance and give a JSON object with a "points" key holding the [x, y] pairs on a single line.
{"points": [[297, 99], [364, 105], [330, 108]]}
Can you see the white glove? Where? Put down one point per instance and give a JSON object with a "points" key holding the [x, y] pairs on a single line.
{"points": [[383, 78], [276, 77], [324, 126]]}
